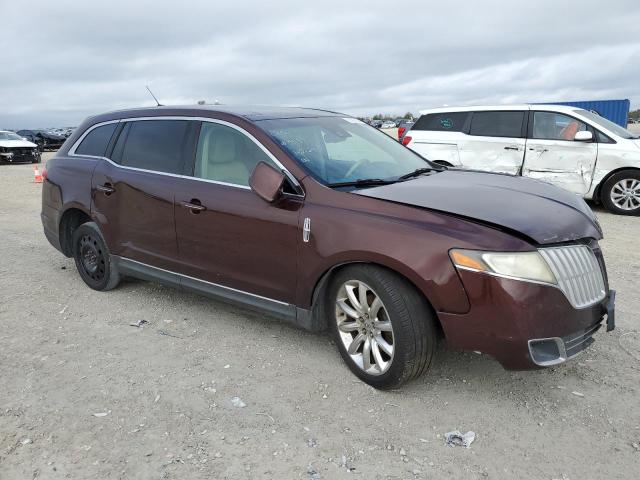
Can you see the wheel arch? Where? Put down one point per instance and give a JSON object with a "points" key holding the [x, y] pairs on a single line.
{"points": [[71, 218], [597, 193], [319, 292]]}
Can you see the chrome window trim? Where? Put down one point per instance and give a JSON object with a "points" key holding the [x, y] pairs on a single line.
{"points": [[290, 176], [204, 281]]}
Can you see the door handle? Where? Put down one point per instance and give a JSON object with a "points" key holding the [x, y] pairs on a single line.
{"points": [[512, 148], [107, 189], [194, 205], [540, 150]]}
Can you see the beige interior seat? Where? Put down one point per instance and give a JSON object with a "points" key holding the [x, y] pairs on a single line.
{"points": [[221, 157]]}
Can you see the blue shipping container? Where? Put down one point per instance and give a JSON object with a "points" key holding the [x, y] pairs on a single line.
{"points": [[615, 110]]}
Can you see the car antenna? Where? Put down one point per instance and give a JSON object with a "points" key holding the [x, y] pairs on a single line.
{"points": [[154, 97]]}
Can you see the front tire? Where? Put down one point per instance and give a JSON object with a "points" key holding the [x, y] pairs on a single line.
{"points": [[384, 328], [92, 258], [621, 193]]}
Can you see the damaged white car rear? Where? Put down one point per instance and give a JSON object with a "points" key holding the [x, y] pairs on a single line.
{"points": [[572, 148]]}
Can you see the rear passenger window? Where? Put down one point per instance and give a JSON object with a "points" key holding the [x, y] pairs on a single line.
{"points": [[96, 141], [442, 122], [497, 124], [153, 145]]}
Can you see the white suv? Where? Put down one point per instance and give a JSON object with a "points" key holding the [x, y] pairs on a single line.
{"points": [[570, 147]]}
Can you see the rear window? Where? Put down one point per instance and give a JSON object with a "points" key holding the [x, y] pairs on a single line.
{"points": [[497, 124], [96, 141], [442, 122], [153, 145]]}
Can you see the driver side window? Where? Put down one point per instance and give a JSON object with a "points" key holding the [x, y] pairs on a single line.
{"points": [[226, 155], [555, 126]]}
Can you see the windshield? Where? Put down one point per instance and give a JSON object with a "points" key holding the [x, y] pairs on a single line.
{"points": [[9, 136], [339, 150], [604, 123]]}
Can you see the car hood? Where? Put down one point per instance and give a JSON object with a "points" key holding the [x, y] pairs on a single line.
{"points": [[16, 143], [538, 210]]}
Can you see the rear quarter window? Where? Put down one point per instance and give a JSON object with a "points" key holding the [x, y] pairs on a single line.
{"points": [[442, 122], [497, 124], [96, 141]]}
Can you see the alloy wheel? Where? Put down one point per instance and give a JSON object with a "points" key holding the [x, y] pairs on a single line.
{"points": [[625, 194], [365, 327]]}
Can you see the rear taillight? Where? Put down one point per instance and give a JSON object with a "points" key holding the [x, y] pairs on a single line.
{"points": [[44, 173], [401, 130], [406, 140]]}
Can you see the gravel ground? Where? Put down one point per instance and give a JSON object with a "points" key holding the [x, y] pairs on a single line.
{"points": [[86, 395]]}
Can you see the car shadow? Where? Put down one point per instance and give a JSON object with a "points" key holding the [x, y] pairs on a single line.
{"points": [[453, 368]]}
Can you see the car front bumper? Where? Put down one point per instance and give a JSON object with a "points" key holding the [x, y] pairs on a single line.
{"points": [[523, 325], [19, 155]]}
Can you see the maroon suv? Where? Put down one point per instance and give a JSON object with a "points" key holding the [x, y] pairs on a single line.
{"points": [[320, 219]]}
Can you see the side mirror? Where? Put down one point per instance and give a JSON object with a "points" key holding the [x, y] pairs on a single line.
{"points": [[266, 182], [583, 136]]}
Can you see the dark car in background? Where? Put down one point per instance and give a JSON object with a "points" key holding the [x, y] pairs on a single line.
{"points": [[315, 217], [45, 140]]}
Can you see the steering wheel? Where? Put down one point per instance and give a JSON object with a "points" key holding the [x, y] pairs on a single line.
{"points": [[356, 166]]}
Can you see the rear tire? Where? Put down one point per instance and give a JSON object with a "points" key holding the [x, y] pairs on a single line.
{"points": [[388, 338], [92, 258], [621, 193]]}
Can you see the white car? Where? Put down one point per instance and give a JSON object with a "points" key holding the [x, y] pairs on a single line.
{"points": [[388, 124], [14, 148], [570, 147]]}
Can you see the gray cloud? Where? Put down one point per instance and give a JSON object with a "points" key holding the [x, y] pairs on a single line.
{"points": [[65, 60]]}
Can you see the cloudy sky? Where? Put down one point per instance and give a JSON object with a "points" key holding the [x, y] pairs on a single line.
{"points": [[64, 60]]}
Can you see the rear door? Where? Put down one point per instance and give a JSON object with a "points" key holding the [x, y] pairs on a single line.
{"points": [[495, 141], [228, 236], [436, 136], [555, 157], [133, 192]]}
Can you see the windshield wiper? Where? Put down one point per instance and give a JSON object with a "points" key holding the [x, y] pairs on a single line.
{"points": [[416, 173], [362, 182]]}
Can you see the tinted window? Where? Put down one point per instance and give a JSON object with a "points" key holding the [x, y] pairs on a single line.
{"points": [[226, 155], [555, 126], [96, 141], [497, 124], [442, 122], [154, 145]]}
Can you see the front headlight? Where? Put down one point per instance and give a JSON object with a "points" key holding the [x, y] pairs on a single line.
{"points": [[528, 266]]}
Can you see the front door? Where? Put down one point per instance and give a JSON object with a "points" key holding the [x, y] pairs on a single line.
{"points": [[227, 235], [495, 142], [555, 157], [133, 195]]}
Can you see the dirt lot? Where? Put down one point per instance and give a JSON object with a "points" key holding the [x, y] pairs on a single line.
{"points": [[86, 395]]}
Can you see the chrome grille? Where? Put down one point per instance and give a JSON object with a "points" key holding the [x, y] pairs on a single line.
{"points": [[578, 273]]}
